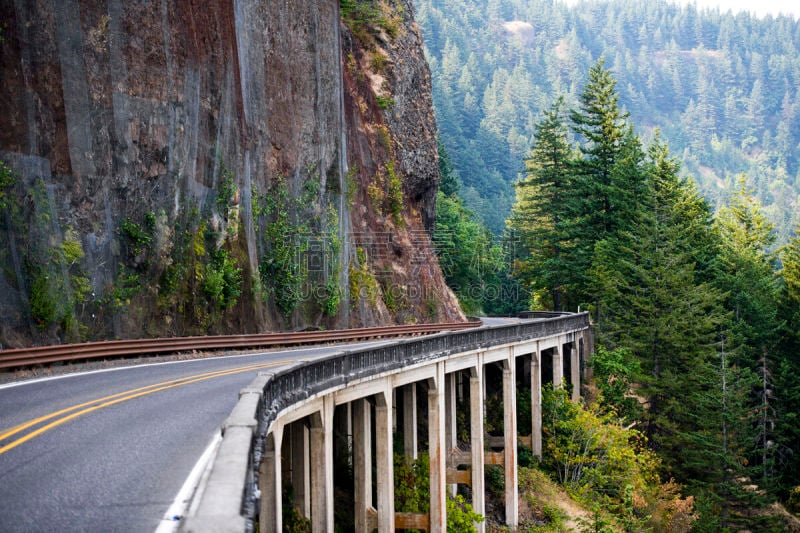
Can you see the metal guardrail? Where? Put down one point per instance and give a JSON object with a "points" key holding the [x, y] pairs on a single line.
{"points": [[259, 408], [22, 357]]}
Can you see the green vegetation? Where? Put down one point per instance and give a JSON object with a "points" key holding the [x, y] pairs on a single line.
{"points": [[293, 520], [384, 102], [47, 259], [58, 286], [541, 216], [281, 272], [606, 468], [288, 224], [367, 18], [222, 280], [412, 494], [395, 196], [137, 239], [690, 315], [475, 264], [614, 373], [7, 182], [385, 192], [721, 87], [363, 284], [126, 286], [542, 496], [226, 190], [352, 186], [467, 253], [331, 294], [376, 193]]}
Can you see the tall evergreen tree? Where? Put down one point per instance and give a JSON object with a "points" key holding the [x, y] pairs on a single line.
{"points": [[542, 214], [748, 278], [601, 125], [449, 184], [786, 382], [656, 304], [790, 294], [747, 273], [608, 181]]}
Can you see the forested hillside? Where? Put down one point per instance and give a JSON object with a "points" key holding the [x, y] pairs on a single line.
{"points": [[640, 161], [722, 88], [696, 317]]}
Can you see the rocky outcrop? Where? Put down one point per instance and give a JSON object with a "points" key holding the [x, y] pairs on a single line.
{"points": [[182, 167]]}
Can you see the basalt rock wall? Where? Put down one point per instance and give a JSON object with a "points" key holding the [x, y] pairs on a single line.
{"points": [[176, 167]]}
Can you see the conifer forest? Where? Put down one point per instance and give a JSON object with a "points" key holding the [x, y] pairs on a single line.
{"points": [[638, 160]]}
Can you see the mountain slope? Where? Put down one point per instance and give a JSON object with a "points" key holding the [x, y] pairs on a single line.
{"points": [[721, 87], [180, 168]]}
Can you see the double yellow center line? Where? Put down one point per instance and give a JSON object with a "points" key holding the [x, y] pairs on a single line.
{"points": [[63, 416]]}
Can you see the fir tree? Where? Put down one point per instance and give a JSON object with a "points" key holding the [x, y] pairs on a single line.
{"points": [[608, 182], [747, 276], [542, 215], [786, 383]]}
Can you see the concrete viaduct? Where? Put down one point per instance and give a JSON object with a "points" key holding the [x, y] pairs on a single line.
{"points": [[363, 406]]}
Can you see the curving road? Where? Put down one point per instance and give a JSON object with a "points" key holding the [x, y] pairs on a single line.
{"points": [[117, 460]]}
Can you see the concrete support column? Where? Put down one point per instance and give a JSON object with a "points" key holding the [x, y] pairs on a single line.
{"points": [[575, 372], [362, 462], [510, 441], [438, 460], [452, 431], [385, 461], [322, 468], [476, 393], [558, 366], [271, 519], [587, 342], [301, 469], [536, 403], [410, 420]]}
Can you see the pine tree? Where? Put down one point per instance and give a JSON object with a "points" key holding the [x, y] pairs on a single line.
{"points": [[601, 125], [747, 276], [654, 304], [543, 210], [790, 259], [449, 184], [786, 371], [608, 182]]}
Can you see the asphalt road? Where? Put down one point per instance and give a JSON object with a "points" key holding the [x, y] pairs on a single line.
{"points": [[118, 463]]}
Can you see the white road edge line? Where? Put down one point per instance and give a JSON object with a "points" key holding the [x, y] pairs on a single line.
{"points": [[177, 511]]}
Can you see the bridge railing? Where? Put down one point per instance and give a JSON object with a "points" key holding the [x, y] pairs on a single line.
{"points": [[295, 384]]}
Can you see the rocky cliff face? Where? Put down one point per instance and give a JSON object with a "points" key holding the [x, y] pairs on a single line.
{"points": [[177, 167]]}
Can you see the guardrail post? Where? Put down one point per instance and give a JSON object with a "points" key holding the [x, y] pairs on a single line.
{"points": [[510, 441], [536, 402], [476, 441], [362, 462], [385, 461], [438, 459]]}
